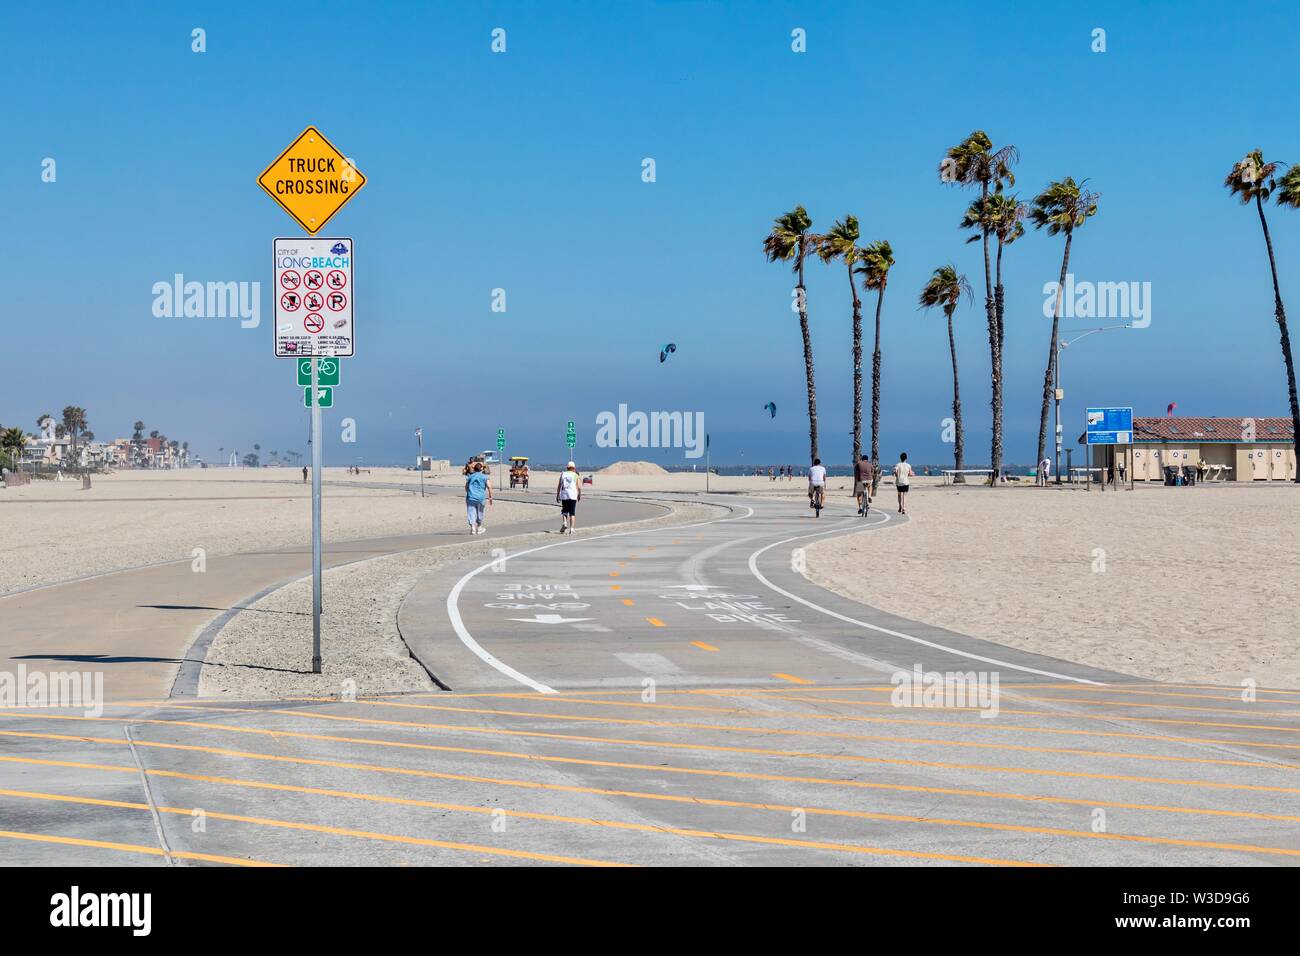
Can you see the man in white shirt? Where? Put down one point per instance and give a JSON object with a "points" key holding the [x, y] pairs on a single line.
{"points": [[816, 480], [1044, 470], [902, 481], [568, 493]]}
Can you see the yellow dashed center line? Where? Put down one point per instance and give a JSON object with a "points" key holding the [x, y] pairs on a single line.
{"points": [[792, 679], [656, 622], [704, 647], [628, 601]]}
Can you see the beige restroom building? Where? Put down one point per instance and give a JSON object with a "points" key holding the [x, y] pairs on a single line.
{"points": [[1233, 449]]}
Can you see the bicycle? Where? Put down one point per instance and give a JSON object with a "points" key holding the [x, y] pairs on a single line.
{"points": [[816, 503]]}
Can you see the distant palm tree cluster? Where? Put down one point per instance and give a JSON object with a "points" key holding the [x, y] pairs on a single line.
{"points": [[73, 427], [792, 241], [1061, 208]]}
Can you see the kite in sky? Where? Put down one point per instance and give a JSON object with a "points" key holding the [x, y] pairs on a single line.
{"points": [[666, 351], [770, 407]]}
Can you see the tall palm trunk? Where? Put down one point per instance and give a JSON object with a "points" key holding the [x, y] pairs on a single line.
{"points": [[1280, 312], [857, 364], [995, 348], [998, 303], [875, 386], [1051, 355], [808, 361], [959, 444]]}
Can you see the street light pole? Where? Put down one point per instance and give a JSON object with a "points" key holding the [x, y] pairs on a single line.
{"points": [[1061, 346], [1056, 392]]}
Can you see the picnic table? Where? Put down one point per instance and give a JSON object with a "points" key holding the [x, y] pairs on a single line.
{"points": [[950, 474], [1081, 470]]}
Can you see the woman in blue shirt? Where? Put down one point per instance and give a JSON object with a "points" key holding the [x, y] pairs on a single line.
{"points": [[478, 495]]}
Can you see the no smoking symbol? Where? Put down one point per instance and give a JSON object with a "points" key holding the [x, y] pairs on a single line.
{"points": [[313, 323]]}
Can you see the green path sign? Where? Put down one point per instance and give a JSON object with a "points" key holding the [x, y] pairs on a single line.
{"points": [[328, 373], [571, 434], [326, 397]]}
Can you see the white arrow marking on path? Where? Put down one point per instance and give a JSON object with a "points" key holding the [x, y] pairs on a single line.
{"points": [[549, 619]]}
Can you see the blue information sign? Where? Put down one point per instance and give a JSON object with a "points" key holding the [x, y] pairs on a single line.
{"points": [[1109, 426]]}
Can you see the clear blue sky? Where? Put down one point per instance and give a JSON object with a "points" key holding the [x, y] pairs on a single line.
{"points": [[522, 171]]}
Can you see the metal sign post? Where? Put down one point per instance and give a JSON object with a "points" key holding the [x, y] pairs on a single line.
{"points": [[419, 461], [315, 520], [501, 457], [311, 180]]}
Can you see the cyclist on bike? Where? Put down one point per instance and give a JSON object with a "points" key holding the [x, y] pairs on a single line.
{"points": [[816, 484]]}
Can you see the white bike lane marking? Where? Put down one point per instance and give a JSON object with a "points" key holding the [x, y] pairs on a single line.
{"points": [[753, 568], [462, 632]]}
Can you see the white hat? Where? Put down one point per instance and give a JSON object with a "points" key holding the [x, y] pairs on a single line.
{"points": [[571, 465]]}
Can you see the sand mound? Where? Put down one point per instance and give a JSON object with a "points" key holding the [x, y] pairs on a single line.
{"points": [[633, 468]]}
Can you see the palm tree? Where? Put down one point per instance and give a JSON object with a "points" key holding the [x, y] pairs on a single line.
{"points": [[1001, 216], [945, 289], [1062, 207], [971, 162], [876, 261], [1252, 179], [791, 240], [841, 242], [14, 440], [74, 423]]}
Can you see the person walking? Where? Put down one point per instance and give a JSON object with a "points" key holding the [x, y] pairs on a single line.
{"points": [[568, 493], [902, 481], [304, 474], [478, 496], [863, 473]]}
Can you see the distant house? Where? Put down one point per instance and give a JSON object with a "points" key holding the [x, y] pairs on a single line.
{"points": [[1235, 449]]}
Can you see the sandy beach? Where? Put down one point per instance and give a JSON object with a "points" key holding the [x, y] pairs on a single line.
{"points": [[55, 531], [1173, 584]]}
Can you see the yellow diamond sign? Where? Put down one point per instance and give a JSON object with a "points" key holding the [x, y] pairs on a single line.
{"points": [[311, 180]]}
